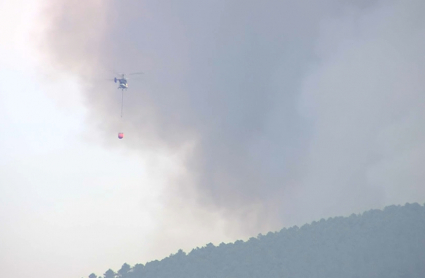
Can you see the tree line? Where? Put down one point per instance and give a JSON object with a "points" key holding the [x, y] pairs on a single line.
{"points": [[388, 243]]}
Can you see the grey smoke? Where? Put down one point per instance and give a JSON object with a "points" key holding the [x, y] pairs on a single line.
{"points": [[296, 109]]}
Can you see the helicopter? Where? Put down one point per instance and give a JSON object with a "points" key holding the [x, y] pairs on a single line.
{"points": [[122, 80]]}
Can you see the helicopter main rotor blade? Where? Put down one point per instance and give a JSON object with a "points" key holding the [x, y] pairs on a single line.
{"points": [[117, 73], [135, 73], [134, 78]]}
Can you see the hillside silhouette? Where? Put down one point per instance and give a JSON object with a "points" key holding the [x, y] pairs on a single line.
{"points": [[377, 243]]}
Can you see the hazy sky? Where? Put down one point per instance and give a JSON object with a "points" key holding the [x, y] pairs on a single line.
{"points": [[251, 116]]}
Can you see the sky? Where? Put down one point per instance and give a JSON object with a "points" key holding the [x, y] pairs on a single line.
{"points": [[250, 116]]}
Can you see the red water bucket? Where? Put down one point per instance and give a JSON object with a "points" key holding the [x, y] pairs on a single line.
{"points": [[120, 135]]}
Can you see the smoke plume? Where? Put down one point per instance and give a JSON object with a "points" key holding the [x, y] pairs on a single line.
{"points": [[285, 111]]}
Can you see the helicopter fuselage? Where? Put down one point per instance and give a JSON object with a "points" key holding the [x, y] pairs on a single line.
{"points": [[123, 85]]}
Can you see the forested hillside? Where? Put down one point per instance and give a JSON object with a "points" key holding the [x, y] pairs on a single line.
{"points": [[378, 243]]}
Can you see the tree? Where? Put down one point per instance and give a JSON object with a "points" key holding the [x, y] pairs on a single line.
{"points": [[124, 270], [92, 275], [109, 274]]}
